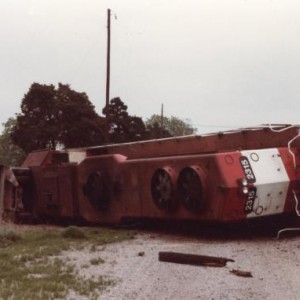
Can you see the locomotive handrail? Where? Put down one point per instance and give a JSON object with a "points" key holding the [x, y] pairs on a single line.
{"points": [[290, 142], [283, 129], [290, 151], [297, 203], [298, 214]]}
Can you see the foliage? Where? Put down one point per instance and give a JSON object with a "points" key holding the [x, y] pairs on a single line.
{"points": [[31, 266], [172, 126], [155, 131], [53, 117], [61, 117], [10, 154], [121, 126]]}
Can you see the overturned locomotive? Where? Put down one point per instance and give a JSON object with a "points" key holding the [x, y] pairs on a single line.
{"points": [[225, 177]]}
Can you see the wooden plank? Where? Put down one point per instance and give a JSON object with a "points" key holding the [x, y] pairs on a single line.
{"points": [[193, 259]]}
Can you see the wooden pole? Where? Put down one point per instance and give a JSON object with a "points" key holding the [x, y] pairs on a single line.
{"points": [[108, 59], [161, 120], [107, 76]]}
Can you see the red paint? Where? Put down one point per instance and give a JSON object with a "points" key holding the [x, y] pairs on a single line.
{"points": [[116, 181]]}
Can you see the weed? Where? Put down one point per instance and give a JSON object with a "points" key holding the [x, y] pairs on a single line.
{"points": [[7, 237], [96, 261], [30, 267]]}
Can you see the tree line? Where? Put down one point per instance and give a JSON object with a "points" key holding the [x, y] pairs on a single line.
{"points": [[59, 117]]}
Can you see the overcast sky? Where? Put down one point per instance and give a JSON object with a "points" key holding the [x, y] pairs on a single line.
{"points": [[219, 63]]}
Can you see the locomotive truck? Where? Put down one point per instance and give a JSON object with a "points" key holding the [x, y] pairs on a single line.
{"points": [[223, 177]]}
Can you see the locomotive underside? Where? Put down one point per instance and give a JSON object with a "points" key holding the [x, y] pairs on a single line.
{"points": [[223, 177]]}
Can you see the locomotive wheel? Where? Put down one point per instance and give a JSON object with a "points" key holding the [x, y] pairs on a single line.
{"points": [[96, 190], [162, 189], [190, 189]]}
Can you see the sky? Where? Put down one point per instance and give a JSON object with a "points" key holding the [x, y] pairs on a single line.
{"points": [[218, 63]]}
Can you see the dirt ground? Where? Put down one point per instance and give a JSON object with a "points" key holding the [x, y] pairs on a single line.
{"points": [[134, 265]]}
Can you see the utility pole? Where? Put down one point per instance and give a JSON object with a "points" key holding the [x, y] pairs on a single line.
{"points": [[161, 120], [107, 73], [108, 58]]}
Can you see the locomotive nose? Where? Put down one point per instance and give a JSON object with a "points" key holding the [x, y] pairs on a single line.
{"points": [[257, 183]]}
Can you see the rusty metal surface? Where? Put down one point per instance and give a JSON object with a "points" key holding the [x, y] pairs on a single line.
{"points": [[54, 190], [218, 177], [10, 194], [37, 158], [257, 138]]}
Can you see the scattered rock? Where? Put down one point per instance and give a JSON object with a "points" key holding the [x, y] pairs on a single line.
{"points": [[241, 273]]}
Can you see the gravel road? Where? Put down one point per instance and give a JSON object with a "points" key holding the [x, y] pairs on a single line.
{"points": [[134, 265]]}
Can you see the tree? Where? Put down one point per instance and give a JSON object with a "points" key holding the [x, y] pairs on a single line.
{"points": [[172, 126], [10, 154], [155, 131], [53, 117], [80, 124], [121, 126]]}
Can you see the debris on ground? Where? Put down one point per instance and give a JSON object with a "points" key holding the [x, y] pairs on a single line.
{"points": [[193, 259], [241, 273]]}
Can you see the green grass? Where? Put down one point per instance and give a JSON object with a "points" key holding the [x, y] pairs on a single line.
{"points": [[30, 267], [97, 261]]}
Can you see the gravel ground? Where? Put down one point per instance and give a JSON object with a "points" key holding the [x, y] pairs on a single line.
{"points": [[134, 265]]}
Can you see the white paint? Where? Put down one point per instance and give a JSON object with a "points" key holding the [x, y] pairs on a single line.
{"points": [[272, 181], [76, 156]]}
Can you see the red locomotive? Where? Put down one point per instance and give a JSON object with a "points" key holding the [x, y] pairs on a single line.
{"points": [[225, 177]]}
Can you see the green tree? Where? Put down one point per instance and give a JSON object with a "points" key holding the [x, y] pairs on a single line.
{"points": [[172, 126], [121, 126], [10, 154], [155, 131], [52, 117]]}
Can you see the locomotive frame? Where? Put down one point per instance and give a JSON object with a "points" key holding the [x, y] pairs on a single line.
{"points": [[221, 177]]}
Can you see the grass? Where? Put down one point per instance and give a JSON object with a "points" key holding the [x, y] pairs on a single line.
{"points": [[30, 267], [97, 261]]}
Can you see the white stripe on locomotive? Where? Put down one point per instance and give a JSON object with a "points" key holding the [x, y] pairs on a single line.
{"points": [[272, 181]]}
